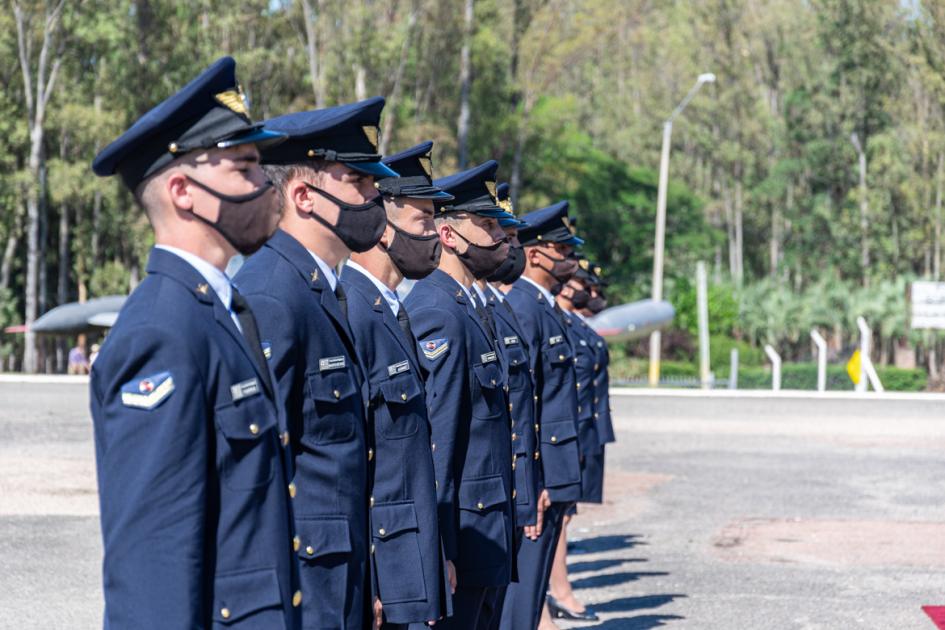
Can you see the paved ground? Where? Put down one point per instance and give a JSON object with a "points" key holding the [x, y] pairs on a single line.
{"points": [[749, 513]]}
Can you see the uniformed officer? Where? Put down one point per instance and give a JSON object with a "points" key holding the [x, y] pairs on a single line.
{"points": [[549, 243], [466, 397], [325, 171], [195, 513], [412, 580]]}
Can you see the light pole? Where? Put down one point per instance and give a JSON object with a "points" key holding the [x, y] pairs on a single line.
{"points": [[655, 336]]}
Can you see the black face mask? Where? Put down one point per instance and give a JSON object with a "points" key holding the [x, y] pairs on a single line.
{"points": [[596, 304], [579, 299], [360, 226], [483, 260], [415, 256], [511, 268], [562, 269], [245, 221]]}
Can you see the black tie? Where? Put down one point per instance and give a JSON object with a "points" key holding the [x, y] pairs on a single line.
{"points": [[404, 322], [484, 317], [251, 333], [342, 299]]}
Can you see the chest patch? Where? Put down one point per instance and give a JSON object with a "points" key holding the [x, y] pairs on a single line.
{"points": [[331, 363], [244, 389], [398, 368], [510, 341], [552, 341]]}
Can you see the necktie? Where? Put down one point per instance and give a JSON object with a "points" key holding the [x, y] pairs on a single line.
{"points": [[251, 334], [484, 317], [342, 298], [404, 322]]}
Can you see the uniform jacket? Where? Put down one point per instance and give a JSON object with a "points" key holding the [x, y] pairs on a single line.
{"points": [[605, 424], [526, 465], [408, 561], [552, 357], [467, 405], [586, 366], [195, 512], [311, 351]]}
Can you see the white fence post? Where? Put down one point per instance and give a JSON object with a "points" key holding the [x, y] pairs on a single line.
{"points": [[775, 368], [867, 369], [821, 359], [733, 370], [702, 299]]}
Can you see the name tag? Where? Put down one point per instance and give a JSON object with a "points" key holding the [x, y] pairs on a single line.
{"points": [[398, 368], [556, 339], [244, 389], [331, 363], [510, 341], [488, 357]]}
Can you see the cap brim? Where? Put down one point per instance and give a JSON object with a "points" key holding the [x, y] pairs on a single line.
{"points": [[436, 196], [494, 213], [574, 240], [377, 169], [260, 137], [512, 223]]}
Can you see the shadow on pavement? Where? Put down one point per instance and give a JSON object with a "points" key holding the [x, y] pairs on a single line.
{"points": [[627, 604], [641, 622], [600, 565], [600, 544], [614, 579]]}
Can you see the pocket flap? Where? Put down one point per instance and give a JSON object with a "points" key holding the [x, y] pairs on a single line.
{"points": [[516, 356], [331, 386], [558, 354], [400, 389], [389, 519], [488, 375], [236, 595], [322, 536], [481, 494], [558, 432], [247, 419]]}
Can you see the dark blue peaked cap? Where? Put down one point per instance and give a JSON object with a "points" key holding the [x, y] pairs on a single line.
{"points": [[346, 133], [549, 225], [473, 191], [415, 168], [209, 112], [502, 195]]}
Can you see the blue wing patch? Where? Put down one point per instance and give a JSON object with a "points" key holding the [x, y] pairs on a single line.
{"points": [[147, 392], [434, 348]]}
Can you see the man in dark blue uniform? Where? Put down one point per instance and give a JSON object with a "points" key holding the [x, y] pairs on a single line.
{"points": [[325, 172], [549, 243], [412, 580], [192, 486], [466, 397]]}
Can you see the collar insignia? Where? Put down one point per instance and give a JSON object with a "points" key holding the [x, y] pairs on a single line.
{"points": [[202, 288], [314, 275]]}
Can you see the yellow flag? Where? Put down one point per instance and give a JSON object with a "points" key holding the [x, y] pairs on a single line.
{"points": [[854, 367]]}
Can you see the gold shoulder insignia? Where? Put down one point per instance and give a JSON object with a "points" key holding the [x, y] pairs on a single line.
{"points": [[371, 132], [234, 100]]}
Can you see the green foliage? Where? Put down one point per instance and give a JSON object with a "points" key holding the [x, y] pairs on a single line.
{"points": [[111, 278], [723, 307], [804, 376], [720, 352]]}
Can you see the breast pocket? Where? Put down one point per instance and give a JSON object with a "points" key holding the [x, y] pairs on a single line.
{"points": [[400, 406], [337, 407], [249, 448], [488, 402], [559, 356], [559, 450], [483, 519], [395, 534], [519, 377]]}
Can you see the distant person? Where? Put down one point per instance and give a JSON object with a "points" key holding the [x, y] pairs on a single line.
{"points": [[188, 443], [78, 364]]}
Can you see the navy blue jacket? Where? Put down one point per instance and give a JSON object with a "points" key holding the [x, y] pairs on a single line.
{"points": [[552, 357], [408, 562], [312, 354], [192, 488], [467, 406], [605, 424], [586, 366], [522, 406]]}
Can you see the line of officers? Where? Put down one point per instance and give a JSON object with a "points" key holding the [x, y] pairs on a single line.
{"points": [[299, 448]]}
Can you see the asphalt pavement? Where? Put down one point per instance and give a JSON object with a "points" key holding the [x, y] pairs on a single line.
{"points": [[721, 511]]}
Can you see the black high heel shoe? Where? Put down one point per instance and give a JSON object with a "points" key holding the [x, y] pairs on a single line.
{"points": [[558, 611]]}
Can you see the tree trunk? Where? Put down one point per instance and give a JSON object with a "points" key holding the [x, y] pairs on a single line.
{"points": [[937, 257], [390, 109], [864, 210], [739, 239], [310, 18], [465, 84]]}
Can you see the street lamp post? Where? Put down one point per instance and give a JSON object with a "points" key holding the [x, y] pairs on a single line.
{"points": [[655, 336]]}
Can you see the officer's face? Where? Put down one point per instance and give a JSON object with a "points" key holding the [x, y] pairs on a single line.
{"points": [[414, 216], [572, 286], [482, 230], [512, 233], [344, 183]]}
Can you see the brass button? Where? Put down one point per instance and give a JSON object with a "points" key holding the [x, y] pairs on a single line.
{"points": [[433, 447], [596, 415], [254, 428], [512, 424], [310, 550], [513, 463], [596, 400], [296, 543], [336, 394], [370, 454], [510, 406], [372, 547], [596, 366], [493, 382], [292, 489], [537, 427], [506, 388], [561, 357], [172, 147], [225, 613], [579, 408], [514, 436], [297, 599], [382, 531], [480, 506], [285, 439], [537, 455], [578, 385], [403, 396], [535, 397], [554, 438], [575, 360], [372, 501], [311, 153], [513, 493], [436, 484]]}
